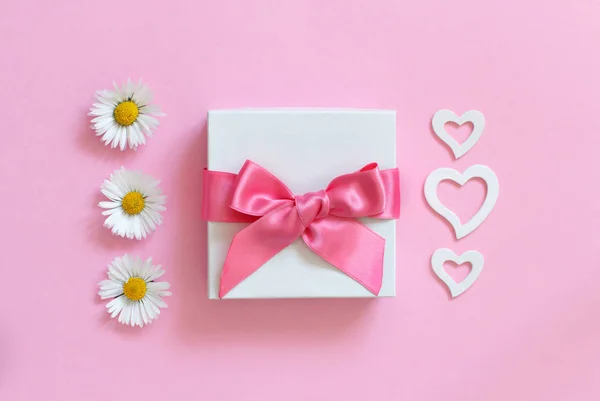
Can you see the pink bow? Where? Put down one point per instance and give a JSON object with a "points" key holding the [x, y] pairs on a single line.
{"points": [[325, 220]]}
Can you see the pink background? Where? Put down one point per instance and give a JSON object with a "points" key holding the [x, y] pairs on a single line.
{"points": [[527, 330]]}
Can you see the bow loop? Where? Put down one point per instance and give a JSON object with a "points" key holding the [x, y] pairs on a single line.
{"points": [[358, 194], [312, 206], [257, 191]]}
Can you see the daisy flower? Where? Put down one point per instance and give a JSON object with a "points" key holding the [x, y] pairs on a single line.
{"points": [[124, 116], [134, 205], [136, 296]]}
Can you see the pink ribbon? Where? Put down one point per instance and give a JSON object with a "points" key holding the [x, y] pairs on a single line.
{"points": [[325, 220]]}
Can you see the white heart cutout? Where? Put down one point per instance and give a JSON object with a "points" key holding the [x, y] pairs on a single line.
{"points": [[441, 117], [443, 255], [475, 171]]}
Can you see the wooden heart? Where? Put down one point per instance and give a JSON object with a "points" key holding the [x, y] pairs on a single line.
{"points": [[443, 255], [475, 171], [441, 117]]}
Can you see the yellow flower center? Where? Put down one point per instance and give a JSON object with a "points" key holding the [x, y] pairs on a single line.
{"points": [[134, 288], [126, 112], [133, 203]]}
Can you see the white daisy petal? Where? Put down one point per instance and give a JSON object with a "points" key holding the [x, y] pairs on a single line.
{"points": [[122, 313], [149, 309], [110, 193], [129, 138], [152, 109], [138, 86], [123, 138], [125, 263], [137, 228], [137, 264], [128, 264], [114, 219], [99, 109], [147, 222], [144, 229], [144, 128], [158, 286], [150, 222], [109, 284], [156, 300], [154, 274], [151, 306], [144, 313], [152, 191], [115, 306], [110, 293], [115, 189], [106, 98], [147, 271], [121, 227], [129, 88], [157, 205], [117, 92], [102, 121], [109, 205], [117, 276], [135, 317], [143, 95], [140, 316], [125, 315], [108, 133], [115, 141], [108, 212], [138, 135], [110, 289], [150, 121], [155, 216]]}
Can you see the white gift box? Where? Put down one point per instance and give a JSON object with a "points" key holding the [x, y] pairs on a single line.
{"points": [[306, 149]]}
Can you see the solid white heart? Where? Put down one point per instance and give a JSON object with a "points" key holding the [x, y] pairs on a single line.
{"points": [[441, 117], [475, 171], [443, 255]]}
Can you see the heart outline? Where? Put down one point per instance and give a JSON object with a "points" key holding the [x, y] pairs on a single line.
{"points": [[443, 255], [474, 171], [441, 117]]}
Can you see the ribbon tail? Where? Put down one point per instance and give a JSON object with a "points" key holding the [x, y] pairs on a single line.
{"points": [[351, 247], [256, 244]]}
